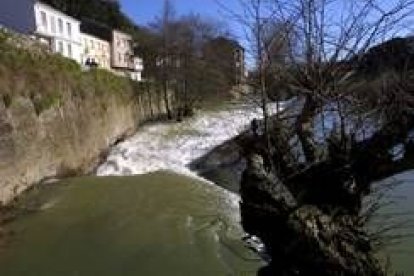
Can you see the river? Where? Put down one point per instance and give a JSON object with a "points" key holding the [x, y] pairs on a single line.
{"points": [[146, 213], [154, 224]]}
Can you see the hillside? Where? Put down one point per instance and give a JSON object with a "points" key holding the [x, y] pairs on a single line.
{"points": [[395, 54]]}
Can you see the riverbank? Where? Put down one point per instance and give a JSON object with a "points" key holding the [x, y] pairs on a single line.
{"points": [[57, 120], [158, 146], [155, 146], [225, 164]]}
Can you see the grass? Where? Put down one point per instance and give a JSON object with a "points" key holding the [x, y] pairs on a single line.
{"points": [[46, 102], [48, 79]]}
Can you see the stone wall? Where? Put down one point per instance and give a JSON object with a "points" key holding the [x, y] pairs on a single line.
{"points": [[55, 119], [65, 139]]}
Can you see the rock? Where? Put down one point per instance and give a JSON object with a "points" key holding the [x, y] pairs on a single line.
{"points": [[324, 246], [261, 185], [301, 239]]}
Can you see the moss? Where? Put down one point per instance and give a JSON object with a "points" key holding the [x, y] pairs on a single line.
{"points": [[7, 100], [45, 102], [3, 36], [48, 79]]}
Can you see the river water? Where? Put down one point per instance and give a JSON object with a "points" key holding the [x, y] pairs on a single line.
{"points": [[174, 146], [147, 213], [154, 224], [398, 213]]}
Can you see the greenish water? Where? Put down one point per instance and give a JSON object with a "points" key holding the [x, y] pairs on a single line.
{"points": [[157, 224], [400, 213]]}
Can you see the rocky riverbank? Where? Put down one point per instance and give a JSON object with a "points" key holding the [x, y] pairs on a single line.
{"points": [[309, 226], [300, 237], [57, 120]]}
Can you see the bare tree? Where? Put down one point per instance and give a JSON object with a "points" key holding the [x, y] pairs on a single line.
{"points": [[180, 60], [323, 40], [319, 154], [256, 17], [193, 33], [164, 62]]}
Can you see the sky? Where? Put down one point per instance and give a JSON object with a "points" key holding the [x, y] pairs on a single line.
{"points": [[144, 11]]}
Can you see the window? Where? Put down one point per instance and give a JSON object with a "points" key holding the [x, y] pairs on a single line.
{"points": [[60, 47], [119, 57], [69, 27], [53, 24], [69, 50], [60, 24], [43, 18]]}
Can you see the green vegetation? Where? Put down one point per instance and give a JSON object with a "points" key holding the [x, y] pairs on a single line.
{"points": [[44, 103], [48, 79]]}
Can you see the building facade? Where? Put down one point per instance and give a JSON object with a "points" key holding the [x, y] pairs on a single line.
{"points": [[31, 17], [122, 51], [239, 64], [96, 45], [62, 31], [136, 73], [123, 59], [95, 51]]}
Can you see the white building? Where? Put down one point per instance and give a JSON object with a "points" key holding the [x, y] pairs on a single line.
{"points": [[95, 51], [122, 50], [122, 60], [136, 72], [33, 17]]}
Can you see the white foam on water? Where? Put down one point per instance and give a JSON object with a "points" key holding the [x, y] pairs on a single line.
{"points": [[173, 146]]}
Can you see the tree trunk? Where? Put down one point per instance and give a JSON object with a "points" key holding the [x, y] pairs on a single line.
{"points": [[304, 129]]}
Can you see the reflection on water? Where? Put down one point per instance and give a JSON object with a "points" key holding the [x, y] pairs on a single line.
{"points": [[158, 224]]}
